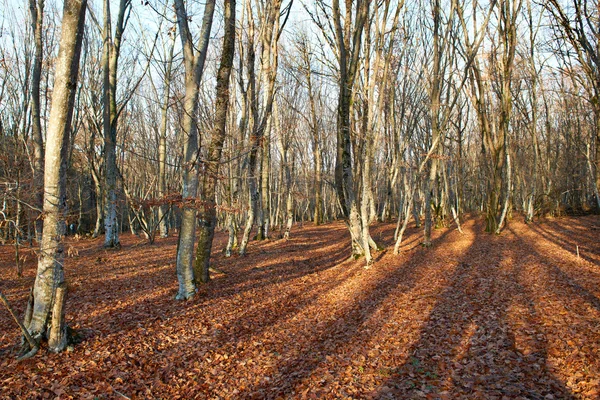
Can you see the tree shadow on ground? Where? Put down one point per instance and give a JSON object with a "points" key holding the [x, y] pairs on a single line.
{"points": [[467, 347], [130, 301], [561, 282], [573, 236], [327, 339]]}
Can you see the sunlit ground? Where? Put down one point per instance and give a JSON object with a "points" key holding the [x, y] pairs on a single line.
{"points": [[474, 316]]}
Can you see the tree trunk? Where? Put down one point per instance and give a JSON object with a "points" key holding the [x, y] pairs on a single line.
{"points": [[36, 9], [110, 61], [194, 66], [263, 225], [208, 213], [269, 62], [429, 187], [99, 204], [316, 148], [47, 318], [162, 146], [597, 156]]}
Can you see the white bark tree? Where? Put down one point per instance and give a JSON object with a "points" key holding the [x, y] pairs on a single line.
{"points": [[45, 316], [194, 66]]}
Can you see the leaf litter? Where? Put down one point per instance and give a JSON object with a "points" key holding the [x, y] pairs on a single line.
{"points": [[474, 316]]}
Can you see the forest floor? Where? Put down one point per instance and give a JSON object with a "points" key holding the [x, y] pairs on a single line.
{"points": [[475, 316]]}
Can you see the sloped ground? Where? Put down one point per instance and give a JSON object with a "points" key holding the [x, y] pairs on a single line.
{"points": [[475, 316]]}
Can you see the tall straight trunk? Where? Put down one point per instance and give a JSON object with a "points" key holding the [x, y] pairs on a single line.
{"points": [[110, 159], [429, 188], [508, 188], [110, 61], [318, 216], [47, 318], [409, 199], [344, 175], [509, 11], [452, 199], [316, 148], [255, 136], [194, 66], [286, 180], [278, 218], [534, 179], [269, 61], [435, 93], [162, 146], [36, 9], [208, 214], [348, 58], [99, 204], [289, 206], [265, 161], [530, 211], [596, 179], [235, 171], [365, 202]]}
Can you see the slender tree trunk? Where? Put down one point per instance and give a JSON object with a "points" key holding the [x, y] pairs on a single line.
{"points": [[47, 318], [232, 225], [596, 179], [208, 214], [111, 234], [436, 91], [344, 180], [366, 200], [508, 188], [99, 204], [263, 225], [289, 209], [112, 49], [429, 187], [410, 193], [269, 62], [316, 148], [36, 9], [162, 146], [194, 66], [255, 138]]}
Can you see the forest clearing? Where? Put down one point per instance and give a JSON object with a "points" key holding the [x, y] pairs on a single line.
{"points": [[473, 316]]}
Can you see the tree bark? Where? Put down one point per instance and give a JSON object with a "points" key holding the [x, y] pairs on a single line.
{"points": [[208, 213], [194, 66], [162, 147], [269, 61], [36, 9], [112, 50], [45, 323], [318, 183], [348, 65]]}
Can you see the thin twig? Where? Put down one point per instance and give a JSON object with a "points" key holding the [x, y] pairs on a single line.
{"points": [[30, 340]]}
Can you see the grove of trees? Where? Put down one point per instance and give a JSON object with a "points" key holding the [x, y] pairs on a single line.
{"points": [[186, 117]]}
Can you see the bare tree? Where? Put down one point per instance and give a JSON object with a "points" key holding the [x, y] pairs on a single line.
{"points": [[348, 42], [305, 53], [111, 52], [36, 10], [270, 30], [577, 22], [45, 316], [162, 147], [194, 66], [208, 211]]}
